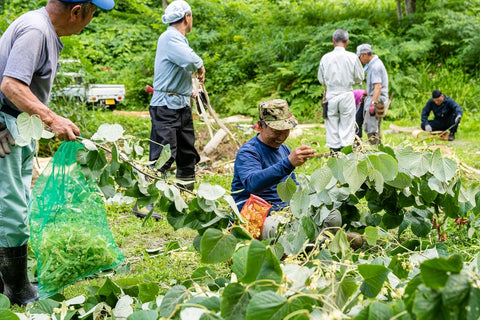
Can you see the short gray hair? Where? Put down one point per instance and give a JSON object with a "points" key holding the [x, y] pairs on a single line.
{"points": [[340, 35]]}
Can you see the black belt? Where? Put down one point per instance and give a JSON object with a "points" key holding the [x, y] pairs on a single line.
{"points": [[10, 111]]}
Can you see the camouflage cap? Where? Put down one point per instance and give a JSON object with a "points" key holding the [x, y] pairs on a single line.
{"points": [[276, 114]]}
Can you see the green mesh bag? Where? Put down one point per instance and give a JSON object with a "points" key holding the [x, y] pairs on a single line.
{"points": [[68, 225]]}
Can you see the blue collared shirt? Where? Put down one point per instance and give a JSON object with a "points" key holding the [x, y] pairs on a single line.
{"points": [[258, 169], [175, 62]]}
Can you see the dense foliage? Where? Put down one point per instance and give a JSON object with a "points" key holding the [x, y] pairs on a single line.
{"points": [[259, 49]]}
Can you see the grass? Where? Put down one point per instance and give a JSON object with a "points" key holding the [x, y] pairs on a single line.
{"points": [[135, 236]]}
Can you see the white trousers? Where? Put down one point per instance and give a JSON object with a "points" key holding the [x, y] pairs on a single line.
{"points": [[340, 125]]}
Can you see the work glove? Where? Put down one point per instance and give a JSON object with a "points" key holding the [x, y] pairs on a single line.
{"points": [[371, 109], [5, 139], [428, 128], [457, 119]]}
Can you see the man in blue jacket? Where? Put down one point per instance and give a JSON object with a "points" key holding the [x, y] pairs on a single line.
{"points": [[264, 161], [446, 111]]}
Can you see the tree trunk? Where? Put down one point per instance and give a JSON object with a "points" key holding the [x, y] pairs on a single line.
{"points": [[164, 4], [410, 7], [399, 10]]}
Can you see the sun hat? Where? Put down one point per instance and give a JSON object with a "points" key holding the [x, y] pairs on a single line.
{"points": [[176, 11], [102, 4], [276, 114]]}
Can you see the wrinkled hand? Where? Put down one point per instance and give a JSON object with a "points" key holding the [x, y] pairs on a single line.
{"points": [[428, 128], [201, 74], [300, 155], [457, 119], [64, 129], [5, 139]]}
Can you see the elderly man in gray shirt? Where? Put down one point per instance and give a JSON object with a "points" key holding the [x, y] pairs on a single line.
{"points": [[338, 71], [29, 52], [377, 92]]}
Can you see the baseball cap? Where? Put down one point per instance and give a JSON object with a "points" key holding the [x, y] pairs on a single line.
{"points": [[276, 114], [364, 48], [436, 94], [102, 4]]}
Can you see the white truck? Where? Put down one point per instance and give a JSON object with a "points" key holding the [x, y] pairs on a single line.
{"points": [[104, 95]]}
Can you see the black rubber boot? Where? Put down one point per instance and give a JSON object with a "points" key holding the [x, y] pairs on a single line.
{"points": [[186, 177], [13, 270]]}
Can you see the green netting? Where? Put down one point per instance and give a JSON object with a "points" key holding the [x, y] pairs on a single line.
{"points": [[68, 225]]}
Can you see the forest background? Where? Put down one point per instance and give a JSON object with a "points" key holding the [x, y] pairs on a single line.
{"points": [[255, 50]]}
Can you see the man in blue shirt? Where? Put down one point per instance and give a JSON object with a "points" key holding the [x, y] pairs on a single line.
{"points": [[264, 161], [446, 111], [170, 111]]}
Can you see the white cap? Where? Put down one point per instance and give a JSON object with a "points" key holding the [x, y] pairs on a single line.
{"points": [[364, 48], [176, 11]]}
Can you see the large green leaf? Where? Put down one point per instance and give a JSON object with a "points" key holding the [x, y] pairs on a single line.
{"points": [[108, 133], [345, 290], [235, 299], [401, 181], [143, 315], [336, 166], [216, 246], [267, 305], [473, 309], [174, 296], [286, 189], [435, 272], [254, 260], [355, 173], [321, 178], [456, 290], [300, 203], [209, 192], [165, 155], [385, 164], [420, 222], [373, 278], [4, 302], [442, 168], [8, 315], [29, 127], [270, 269]]}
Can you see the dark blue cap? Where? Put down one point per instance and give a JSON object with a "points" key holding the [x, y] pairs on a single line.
{"points": [[102, 4]]}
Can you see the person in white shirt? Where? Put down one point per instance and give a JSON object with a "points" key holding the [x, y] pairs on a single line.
{"points": [[338, 71]]}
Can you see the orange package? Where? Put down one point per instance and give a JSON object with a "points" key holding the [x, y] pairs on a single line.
{"points": [[255, 212]]}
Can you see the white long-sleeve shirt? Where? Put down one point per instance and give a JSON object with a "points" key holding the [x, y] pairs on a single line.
{"points": [[339, 70]]}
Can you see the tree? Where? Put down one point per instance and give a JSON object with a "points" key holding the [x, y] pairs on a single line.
{"points": [[410, 8]]}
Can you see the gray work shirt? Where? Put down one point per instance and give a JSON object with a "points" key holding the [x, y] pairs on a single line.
{"points": [[376, 73], [175, 62], [29, 51]]}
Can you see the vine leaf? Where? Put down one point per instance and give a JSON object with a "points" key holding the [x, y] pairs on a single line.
{"points": [[286, 189], [176, 295], [29, 127], [374, 276], [108, 133], [235, 299], [300, 203], [267, 305], [355, 173], [456, 289], [165, 155], [216, 246], [434, 272], [322, 178], [442, 168], [248, 260], [209, 192]]}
